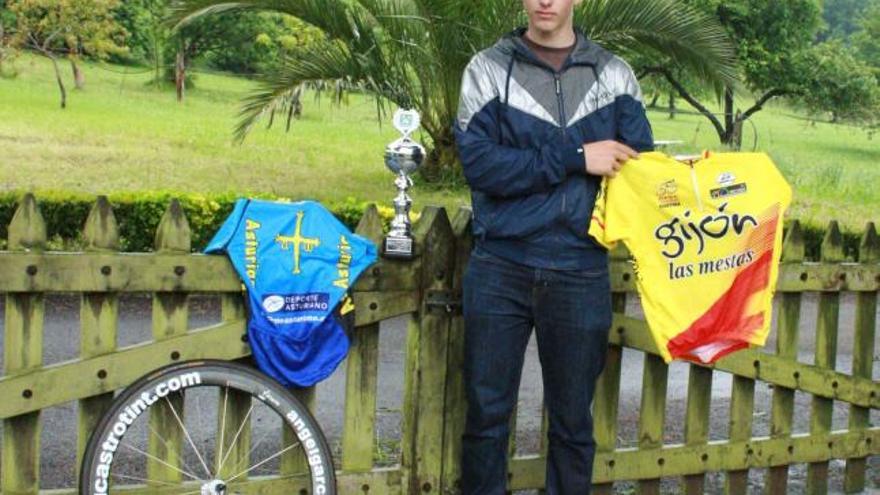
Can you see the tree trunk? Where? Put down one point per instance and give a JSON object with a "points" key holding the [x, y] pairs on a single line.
{"points": [[78, 78], [671, 105], [736, 134], [180, 76], [654, 98], [441, 164], [60, 82]]}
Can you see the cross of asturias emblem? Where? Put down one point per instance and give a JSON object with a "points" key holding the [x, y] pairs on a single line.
{"points": [[297, 240]]}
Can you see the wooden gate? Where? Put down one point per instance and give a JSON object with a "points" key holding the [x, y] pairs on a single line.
{"points": [[426, 291]]}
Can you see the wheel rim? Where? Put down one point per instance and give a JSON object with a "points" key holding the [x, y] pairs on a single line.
{"points": [[209, 443]]}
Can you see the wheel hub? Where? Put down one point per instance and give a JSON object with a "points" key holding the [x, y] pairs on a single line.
{"points": [[215, 487]]}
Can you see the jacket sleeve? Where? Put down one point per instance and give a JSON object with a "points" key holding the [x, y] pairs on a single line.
{"points": [[633, 128], [496, 169]]}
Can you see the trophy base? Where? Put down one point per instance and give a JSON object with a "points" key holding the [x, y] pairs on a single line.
{"points": [[398, 248]]}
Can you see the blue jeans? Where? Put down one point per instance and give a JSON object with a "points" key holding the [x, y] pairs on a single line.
{"points": [[571, 314]]}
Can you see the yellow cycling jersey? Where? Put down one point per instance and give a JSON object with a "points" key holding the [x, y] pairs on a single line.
{"points": [[706, 237]]}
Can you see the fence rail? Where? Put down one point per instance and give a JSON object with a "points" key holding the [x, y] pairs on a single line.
{"points": [[426, 291]]}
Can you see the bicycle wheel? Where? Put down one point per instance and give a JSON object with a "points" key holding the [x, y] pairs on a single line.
{"points": [[236, 429]]}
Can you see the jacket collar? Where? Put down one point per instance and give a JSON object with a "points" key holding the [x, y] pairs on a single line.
{"points": [[585, 52]]}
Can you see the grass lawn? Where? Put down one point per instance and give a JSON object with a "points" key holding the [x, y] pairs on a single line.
{"points": [[122, 134]]}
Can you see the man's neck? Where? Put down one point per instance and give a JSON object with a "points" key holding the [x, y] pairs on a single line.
{"points": [[561, 38]]}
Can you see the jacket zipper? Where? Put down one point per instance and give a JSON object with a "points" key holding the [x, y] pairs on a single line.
{"points": [[562, 121], [559, 102]]}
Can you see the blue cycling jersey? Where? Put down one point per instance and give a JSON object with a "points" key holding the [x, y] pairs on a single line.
{"points": [[297, 261]]}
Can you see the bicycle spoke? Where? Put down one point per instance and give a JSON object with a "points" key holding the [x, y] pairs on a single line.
{"points": [[168, 447], [150, 456], [222, 426], [264, 461], [186, 432], [237, 433], [244, 459]]}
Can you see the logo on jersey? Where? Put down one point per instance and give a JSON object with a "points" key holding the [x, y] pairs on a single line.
{"points": [[293, 303], [728, 191], [667, 194], [726, 179], [686, 230], [273, 303]]}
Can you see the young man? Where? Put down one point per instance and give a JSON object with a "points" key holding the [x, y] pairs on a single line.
{"points": [[544, 114]]}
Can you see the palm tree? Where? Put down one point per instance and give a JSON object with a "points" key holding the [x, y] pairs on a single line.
{"points": [[411, 53]]}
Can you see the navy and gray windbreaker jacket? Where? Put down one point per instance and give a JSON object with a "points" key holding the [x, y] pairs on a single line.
{"points": [[519, 132]]}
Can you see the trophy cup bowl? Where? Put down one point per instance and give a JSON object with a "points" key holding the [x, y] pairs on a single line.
{"points": [[404, 155]]}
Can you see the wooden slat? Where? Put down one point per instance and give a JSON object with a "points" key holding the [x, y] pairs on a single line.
{"points": [[681, 460], [652, 414], [149, 272], [782, 408], [63, 382], [98, 320], [377, 482], [742, 407], [361, 376], [223, 341], [825, 357], [769, 368], [170, 313], [155, 272], [232, 447], [294, 462], [863, 356], [696, 426], [456, 403], [23, 351]]}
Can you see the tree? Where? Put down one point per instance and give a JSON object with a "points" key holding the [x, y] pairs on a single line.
{"points": [[7, 50], [841, 17], [69, 27], [774, 43], [867, 39], [836, 81], [412, 53], [148, 33]]}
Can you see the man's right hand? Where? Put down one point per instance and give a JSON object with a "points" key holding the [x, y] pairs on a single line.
{"points": [[605, 158]]}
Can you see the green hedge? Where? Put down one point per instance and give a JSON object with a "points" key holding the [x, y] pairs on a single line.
{"points": [[138, 215]]}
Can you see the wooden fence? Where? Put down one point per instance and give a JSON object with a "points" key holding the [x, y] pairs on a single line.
{"points": [[427, 291]]}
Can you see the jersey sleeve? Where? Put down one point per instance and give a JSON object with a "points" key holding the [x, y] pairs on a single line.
{"points": [[608, 225]]}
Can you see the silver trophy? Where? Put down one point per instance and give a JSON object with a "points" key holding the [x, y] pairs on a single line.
{"points": [[403, 157]]}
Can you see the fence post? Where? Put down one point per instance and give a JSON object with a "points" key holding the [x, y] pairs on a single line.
{"points": [[426, 356], [863, 356], [826, 356], [782, 408], [456, 403], [361, 375], [98, 318], [169, 319], [23, 352]]}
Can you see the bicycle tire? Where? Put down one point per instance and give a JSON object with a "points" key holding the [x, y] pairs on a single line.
{"points": [[104, 445]]}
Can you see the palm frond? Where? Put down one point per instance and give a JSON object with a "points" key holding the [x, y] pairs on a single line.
{"points": [[332, 63], [671, 30]]}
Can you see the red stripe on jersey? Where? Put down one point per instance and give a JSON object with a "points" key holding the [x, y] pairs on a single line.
{"points": [[726, 319]]}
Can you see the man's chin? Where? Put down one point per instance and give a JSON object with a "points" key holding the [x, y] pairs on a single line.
{"points": [[545, 27]]}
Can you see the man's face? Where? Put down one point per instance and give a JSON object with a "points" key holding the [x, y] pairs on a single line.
{"points": [[549, 16]]}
